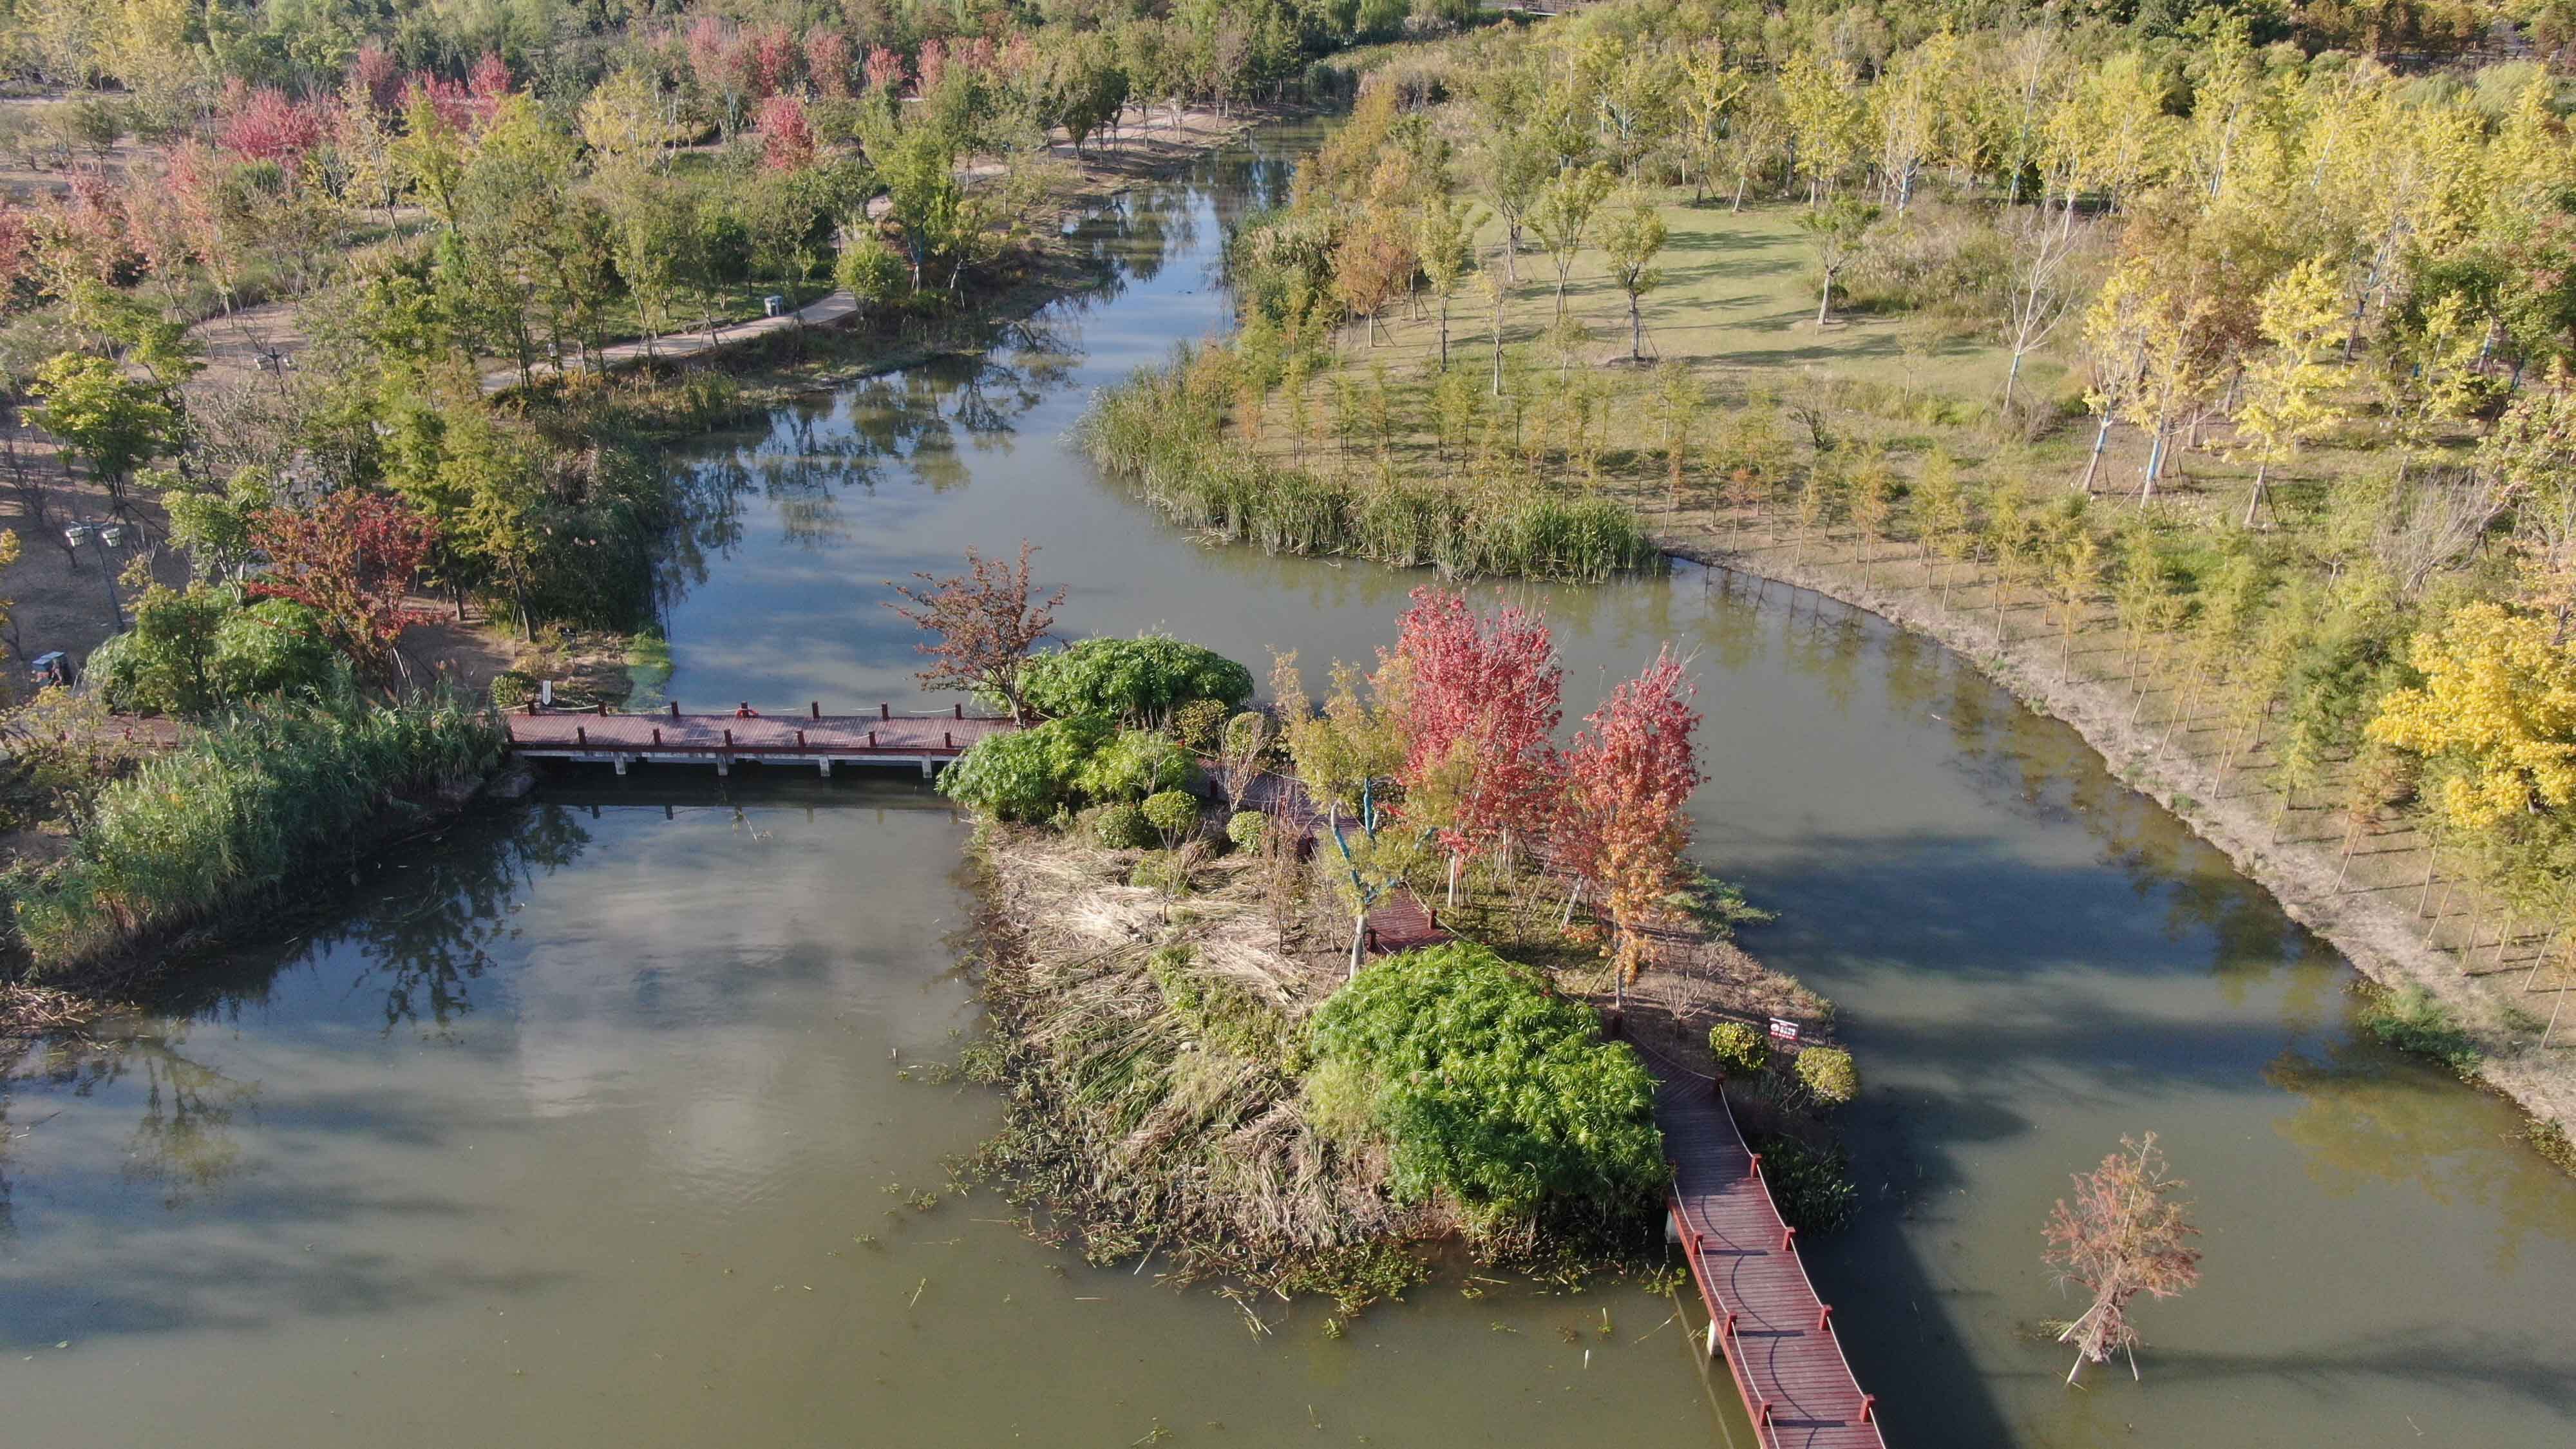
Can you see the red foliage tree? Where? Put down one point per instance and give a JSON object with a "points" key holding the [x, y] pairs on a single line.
{"points": [[986, 622], [773, 60], [374, 69], [885, 70], [351, 558], [827, 61], [1484, 695], [786, 135], [489, 85], [16, 237], [455, 108], [932, 64], [269, 127], [1628, 776]]}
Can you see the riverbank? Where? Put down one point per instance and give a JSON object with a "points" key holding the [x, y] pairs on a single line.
{"points": [[2376, 918], [234, 829]]}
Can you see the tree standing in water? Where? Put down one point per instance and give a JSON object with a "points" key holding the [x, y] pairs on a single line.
{"points": [[986, 623], [2123, 1235]]}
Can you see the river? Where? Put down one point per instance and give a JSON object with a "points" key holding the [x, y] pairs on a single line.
{"points": [[622, 1117]]}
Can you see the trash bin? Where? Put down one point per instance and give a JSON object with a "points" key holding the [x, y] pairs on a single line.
{"points": [[774, 304], [51, 668]]}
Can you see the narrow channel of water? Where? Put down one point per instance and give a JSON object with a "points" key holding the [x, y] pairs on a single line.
{"points": [[605, 1120]]}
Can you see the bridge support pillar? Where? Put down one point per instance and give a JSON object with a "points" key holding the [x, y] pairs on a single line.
{"points": [[724, 767], [618, 764], [827, 768], [927, 772]]}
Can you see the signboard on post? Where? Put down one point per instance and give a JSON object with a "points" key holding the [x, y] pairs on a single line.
{"points": [[1784, 1031]]}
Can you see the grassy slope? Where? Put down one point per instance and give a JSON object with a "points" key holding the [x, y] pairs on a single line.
{"points": [[1737, 304]]}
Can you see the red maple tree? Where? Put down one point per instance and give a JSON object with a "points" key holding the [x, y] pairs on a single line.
{"points": [[488, 85], [1484, 696], [986, 622], [885, 70], [1621, 825], [269, 127], [375, 71], [787, 137], [827, 60], [352, 559], [773, 60]]}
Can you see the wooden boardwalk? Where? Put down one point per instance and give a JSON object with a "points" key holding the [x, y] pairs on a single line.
{"points": [[1776, 1335], [813, 740]]}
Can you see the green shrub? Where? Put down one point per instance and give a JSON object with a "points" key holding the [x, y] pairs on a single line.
{"points": [[512, 688], [1140, 681], [1221, 1013], [1132, 765], [252, 801], [1811, 1186], [1247, 829], [1740, 1049], [275, 646], [1828, 1073], [2412, 1021], [1492, 1092], [1025, 775], [1166, 871], [1173, 814], [1122, 827], [1198, 723]]}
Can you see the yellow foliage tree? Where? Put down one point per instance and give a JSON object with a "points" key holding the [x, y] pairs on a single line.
{"points": [[2499, 703], [2285, 390]]}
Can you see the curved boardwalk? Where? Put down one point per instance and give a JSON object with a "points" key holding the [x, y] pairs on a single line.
{"points": [[1776, 1334]]}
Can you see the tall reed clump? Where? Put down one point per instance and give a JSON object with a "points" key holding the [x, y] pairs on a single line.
{"points": [[257, 798], [1163, 431]]}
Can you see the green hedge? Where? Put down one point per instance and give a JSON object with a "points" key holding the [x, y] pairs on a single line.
{"points": [[1142, 681]]}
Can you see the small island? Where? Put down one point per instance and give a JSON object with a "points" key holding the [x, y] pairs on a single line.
{"points": [[1293, 995]]}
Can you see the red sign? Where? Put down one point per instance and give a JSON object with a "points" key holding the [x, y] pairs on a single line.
{"points": [[1783, 1030]]}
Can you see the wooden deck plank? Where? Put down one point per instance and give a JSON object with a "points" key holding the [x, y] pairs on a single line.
{"points": [[1779, 1350]]}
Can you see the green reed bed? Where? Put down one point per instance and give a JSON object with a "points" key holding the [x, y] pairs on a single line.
{"points": [[253, 801], [1166, 436]]}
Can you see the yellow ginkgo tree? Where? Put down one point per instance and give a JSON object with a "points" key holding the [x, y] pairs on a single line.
{"points": [[2286, 389], [2498, 704]]}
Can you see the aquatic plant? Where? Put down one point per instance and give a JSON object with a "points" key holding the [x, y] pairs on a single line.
{"points": [[254, 800], [1162, 431]]}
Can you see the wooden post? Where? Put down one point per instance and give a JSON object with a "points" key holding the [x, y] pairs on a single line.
{"points": [[1788, 1238], [1757, 1162], [872, 739], [532, 706], [675, 709], [814, 708], [960, 709], [947, 741], [657, 734], [800, 739], [603, 709], [581, 736], [728, 739], [1869, 1408], [1824, 1316], [885, 711]]}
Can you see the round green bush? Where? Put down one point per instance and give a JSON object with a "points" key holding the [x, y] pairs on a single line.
{"points": [[1132, 765], [1139, 681], [1027, 774], [1199, 723], [1829, 1074], [1172, 813], [512, 688], [1123, 827], [275, 646], [1739, 1049], [1247, 829]]}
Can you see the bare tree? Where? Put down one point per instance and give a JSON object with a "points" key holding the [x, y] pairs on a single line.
{"points": [[2123, 1235], [986, 623], [2438, 515], [2041, 293]]}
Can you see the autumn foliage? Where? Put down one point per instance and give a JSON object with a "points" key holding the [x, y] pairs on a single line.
{"points": [[1483, 696], [2122, 1235], [351, 557], [985, 622], [1628, 776]]}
